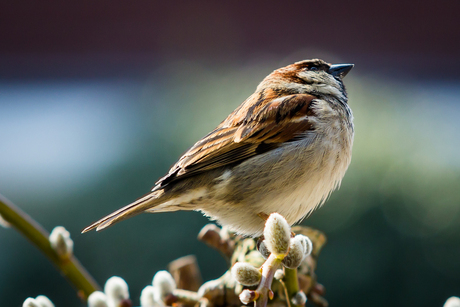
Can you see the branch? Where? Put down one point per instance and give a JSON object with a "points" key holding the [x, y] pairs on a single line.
{"points": [[291, 282], [70, 267]]}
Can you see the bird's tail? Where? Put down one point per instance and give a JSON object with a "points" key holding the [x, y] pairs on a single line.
{"points": [[145, 202]]}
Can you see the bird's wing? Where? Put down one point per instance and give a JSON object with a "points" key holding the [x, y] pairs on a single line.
{"points": [[257, 126]]}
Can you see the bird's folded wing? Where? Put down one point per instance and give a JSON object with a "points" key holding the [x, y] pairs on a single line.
{"points": [[258, 126]]}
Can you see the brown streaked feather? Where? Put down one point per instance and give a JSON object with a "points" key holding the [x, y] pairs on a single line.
{"points": [[262, 123]]}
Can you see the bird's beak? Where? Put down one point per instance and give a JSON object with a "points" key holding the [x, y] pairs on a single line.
{"points": [[340, 70]]}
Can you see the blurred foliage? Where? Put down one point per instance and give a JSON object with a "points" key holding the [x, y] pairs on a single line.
{"points": [[393, 227]]}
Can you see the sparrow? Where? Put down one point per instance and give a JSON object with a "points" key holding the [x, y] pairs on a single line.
{"points": [[284, 150]]}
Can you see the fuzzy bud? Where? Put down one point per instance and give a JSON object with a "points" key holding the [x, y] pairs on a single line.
{"points": [[148, 297], [279, 274], [248, 296], [30, 302], [116, 290], [246, 274], [4, 223], [452, 302], [164, 284], [299, 298], [297, 251], [306, 243], [44, 301], [61, 242], [277, 233], [97, 299], [263, 250]]}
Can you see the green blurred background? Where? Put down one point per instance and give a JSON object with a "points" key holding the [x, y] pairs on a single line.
{"points": [[98, 100]]}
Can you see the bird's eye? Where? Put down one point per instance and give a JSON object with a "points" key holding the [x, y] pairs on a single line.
{"points": [[313, 68]]}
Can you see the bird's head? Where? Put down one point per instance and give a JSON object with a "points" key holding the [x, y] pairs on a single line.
{"points": [[315, 77]]}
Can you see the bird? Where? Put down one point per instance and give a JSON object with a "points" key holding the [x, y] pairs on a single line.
{"points": [[284, 150]]}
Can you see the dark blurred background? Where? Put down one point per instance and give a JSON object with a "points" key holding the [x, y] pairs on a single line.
{"points": [[99, 98]]}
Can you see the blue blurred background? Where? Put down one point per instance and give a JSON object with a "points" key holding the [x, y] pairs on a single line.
{"points": [[99, 99]]}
